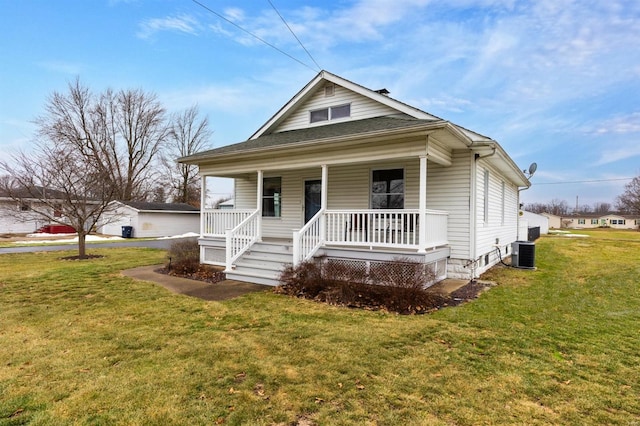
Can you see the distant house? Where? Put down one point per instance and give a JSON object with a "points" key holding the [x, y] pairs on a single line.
{"points": [[587, 220], [226, 204], [555, 222], [18, 217], [350, 175], [150, 219]]}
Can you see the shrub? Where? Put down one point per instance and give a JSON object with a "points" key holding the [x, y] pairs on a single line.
{"points": [[396, 286], [184, 257]]}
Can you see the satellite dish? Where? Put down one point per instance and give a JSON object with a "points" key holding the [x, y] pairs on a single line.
{"points": [[532, 169]]}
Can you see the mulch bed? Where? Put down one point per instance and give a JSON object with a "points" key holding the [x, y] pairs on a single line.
{"points": [[204, 273], [86, 257], [362, 296], [468, 292], [379, 297]]}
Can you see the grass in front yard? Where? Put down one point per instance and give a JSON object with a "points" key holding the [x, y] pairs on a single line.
{"points": [[82, 344]]}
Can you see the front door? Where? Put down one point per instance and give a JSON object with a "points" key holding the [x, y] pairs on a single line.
{"points": [[312, 198]]}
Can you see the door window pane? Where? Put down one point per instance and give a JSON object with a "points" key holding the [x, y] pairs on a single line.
{"points": [[272, 197]]}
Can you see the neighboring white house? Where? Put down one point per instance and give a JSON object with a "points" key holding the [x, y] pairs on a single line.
{"points": [[588, 220], [555, 221], [150, 219], [17, 214], [351, 175], [228, 204], [536, 220]]}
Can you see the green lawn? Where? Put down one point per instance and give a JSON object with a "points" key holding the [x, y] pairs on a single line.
{"points": [[81, 344]]}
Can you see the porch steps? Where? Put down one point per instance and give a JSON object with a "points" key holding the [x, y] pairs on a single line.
{"points": [[263, 263]]}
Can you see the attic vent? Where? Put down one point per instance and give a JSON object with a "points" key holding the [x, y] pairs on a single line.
{"points": [[382, 91], [329, 90]]}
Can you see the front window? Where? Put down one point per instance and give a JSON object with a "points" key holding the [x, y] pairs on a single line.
{"points": [[387, 189], [594, 221], [272, 197], [580, 221]]}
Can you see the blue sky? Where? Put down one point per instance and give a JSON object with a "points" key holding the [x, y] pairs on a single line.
{"points": [[554, 81]]}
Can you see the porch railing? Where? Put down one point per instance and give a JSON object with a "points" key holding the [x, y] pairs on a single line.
{"points": [[215, 223], [437, 225], [308, 239], [241, 238], [385, 228]]}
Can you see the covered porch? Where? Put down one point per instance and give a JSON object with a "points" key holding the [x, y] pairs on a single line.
{"points": [[351, 211]]}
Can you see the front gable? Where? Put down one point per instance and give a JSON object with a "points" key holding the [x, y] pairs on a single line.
{"points": [[327, 91], [351, 105]]}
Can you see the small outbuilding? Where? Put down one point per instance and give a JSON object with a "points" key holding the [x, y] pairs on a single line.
{"points": [[149, 220], [535, 220]]}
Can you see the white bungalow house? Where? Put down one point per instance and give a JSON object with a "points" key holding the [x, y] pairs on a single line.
{"points": [[346, 173]]}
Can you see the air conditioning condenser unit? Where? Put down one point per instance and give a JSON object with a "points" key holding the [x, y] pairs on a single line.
{"points": [[523, 254]]}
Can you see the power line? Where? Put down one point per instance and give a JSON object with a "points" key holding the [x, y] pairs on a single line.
{"points": [[252, 34], [294, 35], [582, 181]]}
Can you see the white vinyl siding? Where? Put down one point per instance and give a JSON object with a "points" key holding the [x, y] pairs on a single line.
{"points": [[496, 225], [448, 190], [361, 108]]}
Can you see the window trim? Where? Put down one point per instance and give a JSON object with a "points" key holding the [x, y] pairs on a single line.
{"points": [[485, 200], [503, 200]]}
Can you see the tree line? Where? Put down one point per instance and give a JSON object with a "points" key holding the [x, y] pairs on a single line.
{"points": [[94, 148], [626, 203]]}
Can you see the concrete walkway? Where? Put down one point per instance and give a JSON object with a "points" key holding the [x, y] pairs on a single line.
{"points": [[223, 290]]}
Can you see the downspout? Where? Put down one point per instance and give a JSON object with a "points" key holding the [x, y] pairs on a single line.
{"points": [[472, 216]]}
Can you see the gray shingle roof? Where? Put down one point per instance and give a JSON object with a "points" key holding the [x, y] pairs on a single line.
{"points": [[176, 207], [348, 128]]}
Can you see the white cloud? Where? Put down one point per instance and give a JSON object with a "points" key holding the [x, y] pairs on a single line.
{"points": [[623, 152], [234, 14], [182, 24], [619, 125]]}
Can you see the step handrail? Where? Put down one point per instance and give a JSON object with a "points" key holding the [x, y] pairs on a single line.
{"points": [[241, 238], [309, 238]]}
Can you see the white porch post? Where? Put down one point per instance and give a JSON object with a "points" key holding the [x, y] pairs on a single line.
{"points": [[203, 198], [323, 202], [259, 204], [422, 206]]}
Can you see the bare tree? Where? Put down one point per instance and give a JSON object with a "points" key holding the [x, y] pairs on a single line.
{"points": [[558, 207], [601, 207], [629, 201], [59, 186], [120, 134], [91, 150], [537, 208], [583, 209], [188, 134]]}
